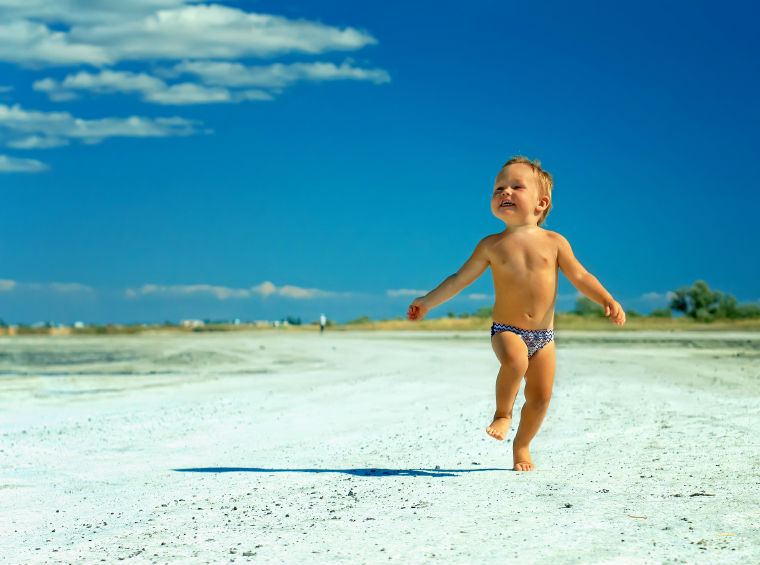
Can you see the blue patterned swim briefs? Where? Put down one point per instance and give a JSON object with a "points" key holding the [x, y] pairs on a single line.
{"points": [[534, 339]]}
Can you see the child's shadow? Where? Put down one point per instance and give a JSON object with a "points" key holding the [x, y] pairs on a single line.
{"points": [[370, 472]]}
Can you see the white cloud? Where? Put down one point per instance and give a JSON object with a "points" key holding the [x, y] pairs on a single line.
{"points": [[105, 35], [478, 296], [264, 289], [64, 125], [251, 94], [277, 75], [54, 90], [220, 292], [30, 42], [214, 31], [657, 296], [151, 88], [37, 142], [82, 11], [68, 287], [216, 75], [297, 292], [16, 165], [289, 291], [104, 81], [189, 93], [206, 36], [405, 292], [52, 287]]}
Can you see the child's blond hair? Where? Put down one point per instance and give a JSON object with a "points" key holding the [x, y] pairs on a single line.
{"points": [[544, 180]]}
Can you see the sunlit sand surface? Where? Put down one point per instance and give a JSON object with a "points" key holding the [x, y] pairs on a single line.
{"points": [[371, 447]]}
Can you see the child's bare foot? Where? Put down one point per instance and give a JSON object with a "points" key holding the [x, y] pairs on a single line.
{"points": [[522, 459], [499, 427]]}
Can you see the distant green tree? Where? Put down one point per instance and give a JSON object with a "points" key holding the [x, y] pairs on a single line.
{"points": [[748, 311], [701, 303], [587, 307], [632, 313], [451, 314], [293, 321], [679, 301], [705, 305], [360, 320], [484, 312], [661, 313], [463, 315], [727, 307]]}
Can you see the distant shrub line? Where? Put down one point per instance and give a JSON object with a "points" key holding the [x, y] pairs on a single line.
{"points": [[697, 302]]}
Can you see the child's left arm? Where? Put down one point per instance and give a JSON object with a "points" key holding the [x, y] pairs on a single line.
{"points": [[587, 283]]}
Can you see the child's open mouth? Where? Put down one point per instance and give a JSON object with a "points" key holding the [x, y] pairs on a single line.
{"points": [[506, 204]]}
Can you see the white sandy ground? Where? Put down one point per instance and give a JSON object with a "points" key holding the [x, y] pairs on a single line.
{"points": [[371, 448]]}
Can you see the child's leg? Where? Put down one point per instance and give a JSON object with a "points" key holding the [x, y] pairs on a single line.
{"points": [[513, 356], [539, 380]]}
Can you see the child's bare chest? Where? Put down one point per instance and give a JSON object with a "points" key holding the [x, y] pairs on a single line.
{"points": [[516, 257]]}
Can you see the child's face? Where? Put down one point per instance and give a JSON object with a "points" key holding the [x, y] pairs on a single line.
{"points": [[516, 199]]}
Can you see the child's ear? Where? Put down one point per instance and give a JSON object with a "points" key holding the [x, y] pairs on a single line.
{"points": [[543, 202]]}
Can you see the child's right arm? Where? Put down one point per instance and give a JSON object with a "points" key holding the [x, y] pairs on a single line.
{"points": [[452, 285], [586, 282]]}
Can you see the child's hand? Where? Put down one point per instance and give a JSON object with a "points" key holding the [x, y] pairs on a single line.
{"points": [[417, 310], [614, 311]]}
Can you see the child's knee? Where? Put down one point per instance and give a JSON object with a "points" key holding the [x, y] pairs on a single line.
{"points": [[538, 397]]}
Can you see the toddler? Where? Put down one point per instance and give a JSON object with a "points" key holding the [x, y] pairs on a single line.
{"points": [[524, 259]]}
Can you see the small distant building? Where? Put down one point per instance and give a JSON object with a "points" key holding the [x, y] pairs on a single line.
{"points": [[192, 323]]}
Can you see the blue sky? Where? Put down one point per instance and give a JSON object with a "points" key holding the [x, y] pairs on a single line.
{"points": [[168, 159]]}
